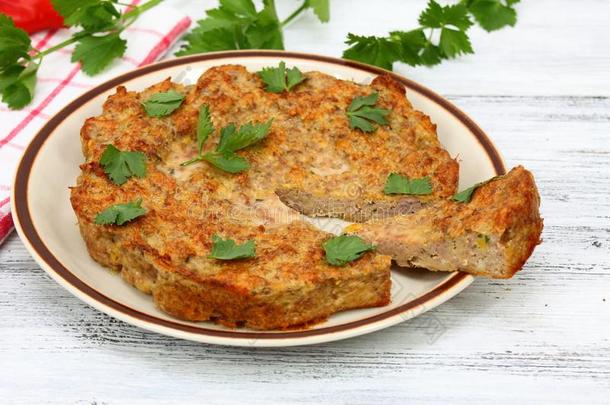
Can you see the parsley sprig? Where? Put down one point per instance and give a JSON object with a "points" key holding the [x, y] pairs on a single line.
{"points": [[237, 24], [363, 114], [442, 34], [231, 140], [98, 43]]}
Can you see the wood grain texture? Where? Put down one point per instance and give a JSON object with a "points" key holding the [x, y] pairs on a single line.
{"points": [[542, 92]]}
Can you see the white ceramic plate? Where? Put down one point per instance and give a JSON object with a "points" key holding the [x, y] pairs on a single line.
{"points": [[47, 225]]}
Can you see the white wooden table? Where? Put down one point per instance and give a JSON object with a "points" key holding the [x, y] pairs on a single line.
{"points": [[542, 92]]}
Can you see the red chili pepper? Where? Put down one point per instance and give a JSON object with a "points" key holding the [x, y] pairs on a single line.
{"points": [[32, 15]]}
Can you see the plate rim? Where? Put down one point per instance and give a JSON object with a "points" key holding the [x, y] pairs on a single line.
{"points": [[35, 243]]}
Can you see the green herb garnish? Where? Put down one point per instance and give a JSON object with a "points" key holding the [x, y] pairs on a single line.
{"points": [[344, 249], [228, 161], [362, 114], [96, 26], [14, 42], [248, 134], [236, 24], [95, 53], [493, 14], [17, 80], [397, 184], [280, 79], [205, 128], [92, 15], [229, 250], [17, 84], [121, 165], [161, 104], [232, 140], [466, 195], [118, 214], [442, 34]]}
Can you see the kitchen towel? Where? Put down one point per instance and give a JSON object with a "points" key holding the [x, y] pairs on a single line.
{"points": [[60, 81]]}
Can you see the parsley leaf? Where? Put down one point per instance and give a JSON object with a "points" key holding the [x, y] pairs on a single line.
{"points": [[411, 44], [397, 184], [466, 195], [92, 15], [293, 77], [248, 134], [118, 214], [361, 114], [205, 128], [240, 7], [17, 85], [321, 8], [17, 69], [229, 250], [377, 51], [437, 16], [266, 31], [14, 42], [280, 79], [454, 43], [493, 14], [96, 53], [120, 165], [274, 78], [235, 25], [232, 140], [162, 104], [344, 249], [227, 161]]}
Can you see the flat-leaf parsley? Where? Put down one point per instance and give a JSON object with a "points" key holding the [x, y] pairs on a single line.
{"points": [[161, 104], [119, 214], [279, 79], [229, 250], [344, 249], [397, 184], [120, 165], [362, 113]]}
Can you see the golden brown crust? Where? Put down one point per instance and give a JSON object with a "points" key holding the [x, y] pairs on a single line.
{"points": [[220, 301], [492, 235], [311, 146], [517, 215]]}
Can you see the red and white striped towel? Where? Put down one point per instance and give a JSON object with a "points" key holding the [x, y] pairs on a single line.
{"points": [[60, 81]]}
